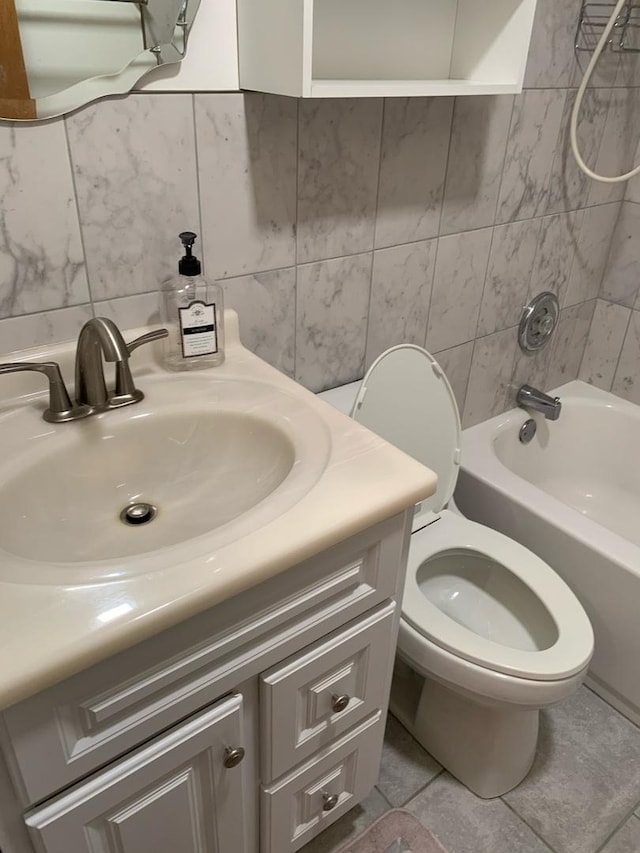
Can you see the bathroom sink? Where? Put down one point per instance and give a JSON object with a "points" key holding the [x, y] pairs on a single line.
{"points": [[198, 463]]}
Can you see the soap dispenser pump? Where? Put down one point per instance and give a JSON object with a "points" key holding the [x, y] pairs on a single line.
{"points": [[193, 314]]}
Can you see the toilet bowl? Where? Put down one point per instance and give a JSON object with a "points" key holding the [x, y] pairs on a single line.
{"points": [[489, 633]]}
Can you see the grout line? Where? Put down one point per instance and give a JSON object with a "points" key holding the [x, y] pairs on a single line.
{"points": [[445, 176], [617, 828], [375, 228], [297, 213], [526, 823], [624, 340], [198, 191], [504, 162], [77, 207], [422, 789], [387, 801], [605, 268], [380, 152], [295, 246], [586, 346]]}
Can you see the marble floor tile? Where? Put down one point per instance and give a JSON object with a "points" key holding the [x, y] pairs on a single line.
{"points": [[626, 839], [464, 823], [406, 767], [585, 778], [349, 825]]}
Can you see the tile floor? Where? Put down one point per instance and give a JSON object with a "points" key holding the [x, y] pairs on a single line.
{"points": [[581, 796]]}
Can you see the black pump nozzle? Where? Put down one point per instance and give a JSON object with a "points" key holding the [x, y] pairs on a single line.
{"points": [[189, 265]]}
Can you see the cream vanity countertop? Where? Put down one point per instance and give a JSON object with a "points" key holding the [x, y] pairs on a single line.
{"points": [[49, 632]]}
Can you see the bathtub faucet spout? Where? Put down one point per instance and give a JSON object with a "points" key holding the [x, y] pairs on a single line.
{"points": [[531, 398]]}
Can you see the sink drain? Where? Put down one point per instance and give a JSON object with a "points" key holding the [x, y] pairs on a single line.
{"points": [[140, 513]]}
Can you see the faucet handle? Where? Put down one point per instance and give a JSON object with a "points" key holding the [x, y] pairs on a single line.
{"points": [[60, 408], [125, 390], [147, 339]]}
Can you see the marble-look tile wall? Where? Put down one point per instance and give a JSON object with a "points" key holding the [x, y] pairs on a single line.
{"points": [[341, 227], [612, 355]]}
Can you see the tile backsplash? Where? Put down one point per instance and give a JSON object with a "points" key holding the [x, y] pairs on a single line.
{"points": [[341, 227]]}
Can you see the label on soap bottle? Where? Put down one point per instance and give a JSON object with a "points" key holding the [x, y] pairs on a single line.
{"points": [[198, 329]]}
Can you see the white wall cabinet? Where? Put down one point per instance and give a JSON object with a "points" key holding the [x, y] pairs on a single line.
{"points": [[129, 755], [211, 63], [374, 48]]}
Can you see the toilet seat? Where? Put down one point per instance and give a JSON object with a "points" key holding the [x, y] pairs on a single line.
{"points": [[406, 398], [567, 656]]}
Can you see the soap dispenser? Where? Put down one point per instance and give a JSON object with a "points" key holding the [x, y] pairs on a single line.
{"points": [[193, 314]]}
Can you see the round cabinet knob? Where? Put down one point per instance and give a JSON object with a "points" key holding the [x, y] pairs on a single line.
{"points": [[233, 756], [339, 703], [329, 801]]}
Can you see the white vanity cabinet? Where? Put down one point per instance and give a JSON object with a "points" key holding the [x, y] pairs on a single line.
{"points": [[247, 728]]}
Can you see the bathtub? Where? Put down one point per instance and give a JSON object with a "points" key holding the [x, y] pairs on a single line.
{"points": [[573, 497]]}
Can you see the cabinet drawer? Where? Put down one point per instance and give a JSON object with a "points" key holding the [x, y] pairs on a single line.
{"points": [[319, 693], [174, 794], [301, 805], [73, 728]]}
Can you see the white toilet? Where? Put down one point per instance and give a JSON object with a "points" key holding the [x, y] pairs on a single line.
{"points": [[489, 633]]}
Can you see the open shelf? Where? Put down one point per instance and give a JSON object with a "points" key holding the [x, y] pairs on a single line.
{"points": [[374, 48]]}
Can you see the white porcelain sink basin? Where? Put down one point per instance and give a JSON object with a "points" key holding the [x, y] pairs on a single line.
{"points": [[215, 459]]}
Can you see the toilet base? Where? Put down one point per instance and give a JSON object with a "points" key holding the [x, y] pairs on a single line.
{"points": [[490, 749]]}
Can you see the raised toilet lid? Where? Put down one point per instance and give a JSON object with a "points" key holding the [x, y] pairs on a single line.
{"points": [[406, 398]]}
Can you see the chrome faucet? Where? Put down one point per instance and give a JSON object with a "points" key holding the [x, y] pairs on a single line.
{"points": [[100, 339], [531, 398]]}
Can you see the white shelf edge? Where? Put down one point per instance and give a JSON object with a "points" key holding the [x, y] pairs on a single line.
{"points": [[398, 88]]}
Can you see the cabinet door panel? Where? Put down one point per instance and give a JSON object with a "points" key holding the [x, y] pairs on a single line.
{"points": [[173, 795]]}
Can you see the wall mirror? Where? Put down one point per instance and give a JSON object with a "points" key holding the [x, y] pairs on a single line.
{"points": [[56, 55]]}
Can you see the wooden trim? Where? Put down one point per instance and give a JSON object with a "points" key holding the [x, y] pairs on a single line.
{"points": [[15, 98]]}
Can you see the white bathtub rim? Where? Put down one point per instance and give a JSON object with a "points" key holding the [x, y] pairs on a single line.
{"points": [[485, 466]]}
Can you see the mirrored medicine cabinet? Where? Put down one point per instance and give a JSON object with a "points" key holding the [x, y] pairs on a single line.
{"points": [[56, 55]]}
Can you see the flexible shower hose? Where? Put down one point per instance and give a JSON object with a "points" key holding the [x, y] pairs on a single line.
{"points": [[604, 38]]}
